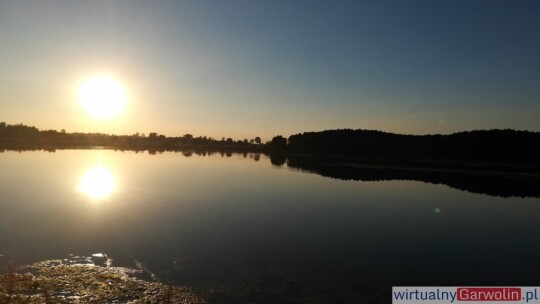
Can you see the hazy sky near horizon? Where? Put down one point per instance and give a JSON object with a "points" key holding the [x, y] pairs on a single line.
{"points": [[261, 68]]}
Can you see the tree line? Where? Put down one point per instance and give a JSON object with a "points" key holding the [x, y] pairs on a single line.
{"points": [[481, 145], [20, 135]]}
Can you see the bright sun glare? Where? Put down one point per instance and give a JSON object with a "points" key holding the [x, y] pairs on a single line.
{"points": [[97, 183], [102, 97]]}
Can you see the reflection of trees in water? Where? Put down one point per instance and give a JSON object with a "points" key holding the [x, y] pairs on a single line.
{"points": [[185, 153], [152, 151], [50, 150], [488, 181], [278, 159], [155, 151]]}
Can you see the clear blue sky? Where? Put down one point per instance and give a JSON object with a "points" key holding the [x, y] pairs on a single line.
{"points": [[261, 68]]}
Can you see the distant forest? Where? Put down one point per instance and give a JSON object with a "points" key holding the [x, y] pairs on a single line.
{"points": [[501, 146], [478, 146], [22, 136]]}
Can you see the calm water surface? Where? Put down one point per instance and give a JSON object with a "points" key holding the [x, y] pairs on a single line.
{"points": [[219, 221]]}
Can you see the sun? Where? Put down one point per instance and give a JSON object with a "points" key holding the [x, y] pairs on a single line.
{"points": [[102, 97]]}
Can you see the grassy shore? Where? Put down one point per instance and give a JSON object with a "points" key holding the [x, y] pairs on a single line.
{"points": [[60, 282]]}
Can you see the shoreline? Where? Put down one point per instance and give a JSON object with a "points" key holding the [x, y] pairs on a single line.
{"points": [[342, 160]]}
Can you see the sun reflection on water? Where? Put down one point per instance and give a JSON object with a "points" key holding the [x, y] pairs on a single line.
{"points": [[98, 183]]}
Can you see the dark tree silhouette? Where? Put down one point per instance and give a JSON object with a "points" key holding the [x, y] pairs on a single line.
{"points": [[22, 136], [484, 146], [278, 143]]}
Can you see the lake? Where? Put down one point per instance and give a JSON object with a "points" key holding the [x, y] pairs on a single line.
{"points": [[241, 229]]}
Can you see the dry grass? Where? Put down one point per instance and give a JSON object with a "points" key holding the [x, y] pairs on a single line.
{"points": [[55, 282]]}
